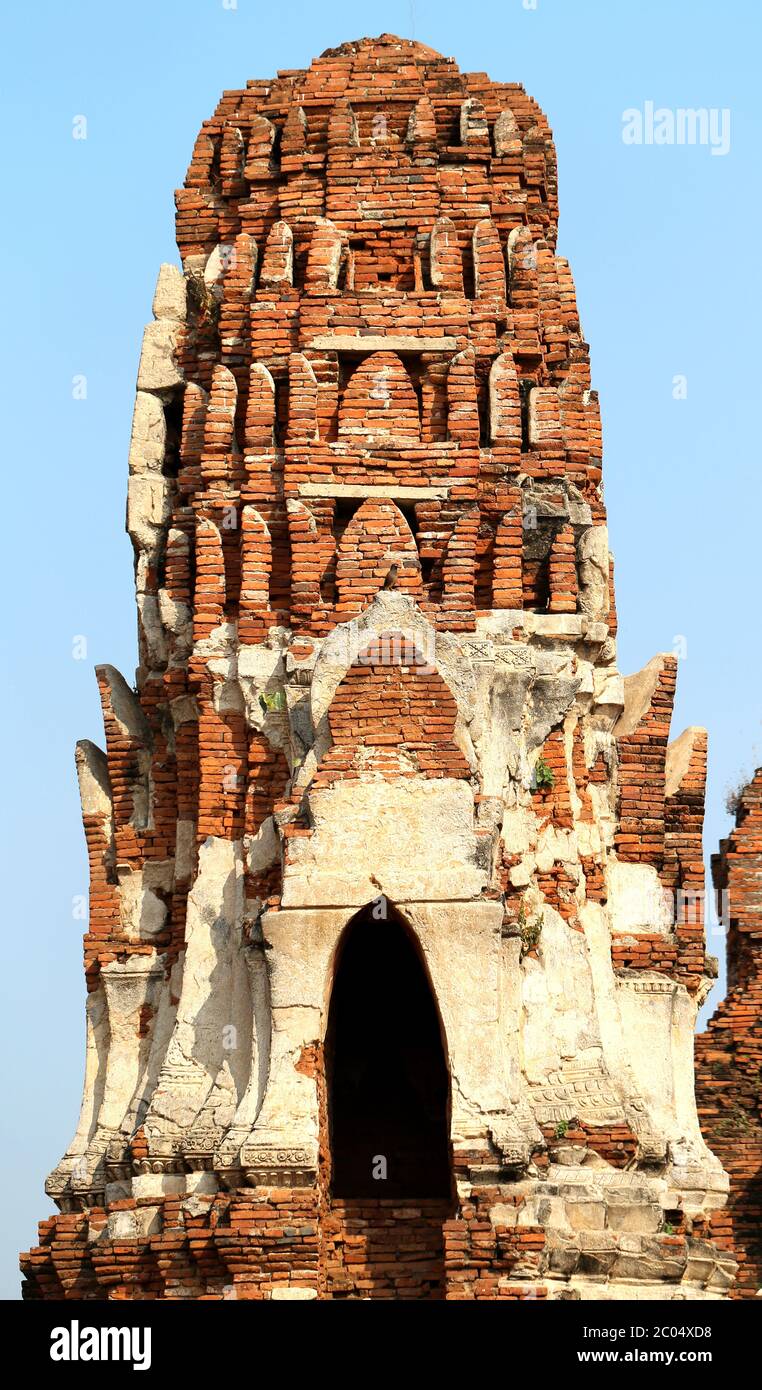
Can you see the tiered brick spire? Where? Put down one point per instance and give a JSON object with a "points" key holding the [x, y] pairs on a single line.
{"points": [[378, 676]]}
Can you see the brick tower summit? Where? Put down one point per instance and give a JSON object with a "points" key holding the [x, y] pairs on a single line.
{"points": [[386, 997]]}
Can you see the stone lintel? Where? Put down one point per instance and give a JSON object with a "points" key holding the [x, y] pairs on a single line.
{"points": [[379, 342], [360, 490]]}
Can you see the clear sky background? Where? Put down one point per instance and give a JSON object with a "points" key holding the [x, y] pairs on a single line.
{"points": [[663, 243]]}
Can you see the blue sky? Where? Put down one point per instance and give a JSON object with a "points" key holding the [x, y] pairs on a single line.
{"points": [[662, 242]]}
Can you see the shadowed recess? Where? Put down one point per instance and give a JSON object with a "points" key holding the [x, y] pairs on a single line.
{"points": [[388, 1092]]}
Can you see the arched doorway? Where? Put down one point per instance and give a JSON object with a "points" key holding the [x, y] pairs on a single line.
{"points": [[387, 1076]]}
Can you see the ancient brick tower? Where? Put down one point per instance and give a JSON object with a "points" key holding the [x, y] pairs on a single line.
{"points": [[385, 995], [729, 1053]]}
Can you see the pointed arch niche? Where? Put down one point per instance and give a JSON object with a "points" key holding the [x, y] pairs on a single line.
{"points": [[387, 1075]]}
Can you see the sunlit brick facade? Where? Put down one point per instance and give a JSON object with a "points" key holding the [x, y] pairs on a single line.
{"points": [[388, 992]]}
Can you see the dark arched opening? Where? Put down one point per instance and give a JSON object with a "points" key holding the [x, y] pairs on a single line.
{"points": [[387, 1076]]}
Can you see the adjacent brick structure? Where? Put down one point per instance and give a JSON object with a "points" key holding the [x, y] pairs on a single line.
{"points": [[729, 1053]]}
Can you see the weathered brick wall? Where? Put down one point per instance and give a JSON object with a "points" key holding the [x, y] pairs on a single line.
{"points": [[392, 714], [243, 1246], [642, 759], [384, 1249], [729, 1052], [481, 1258]]}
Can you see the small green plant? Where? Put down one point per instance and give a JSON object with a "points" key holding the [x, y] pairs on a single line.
{"points": [[530, 932], [668, 1229], [562, 1129], [272, 703], [543, 775], [737, 1122], [203, 301], [721, 1071], [734, 793]]}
